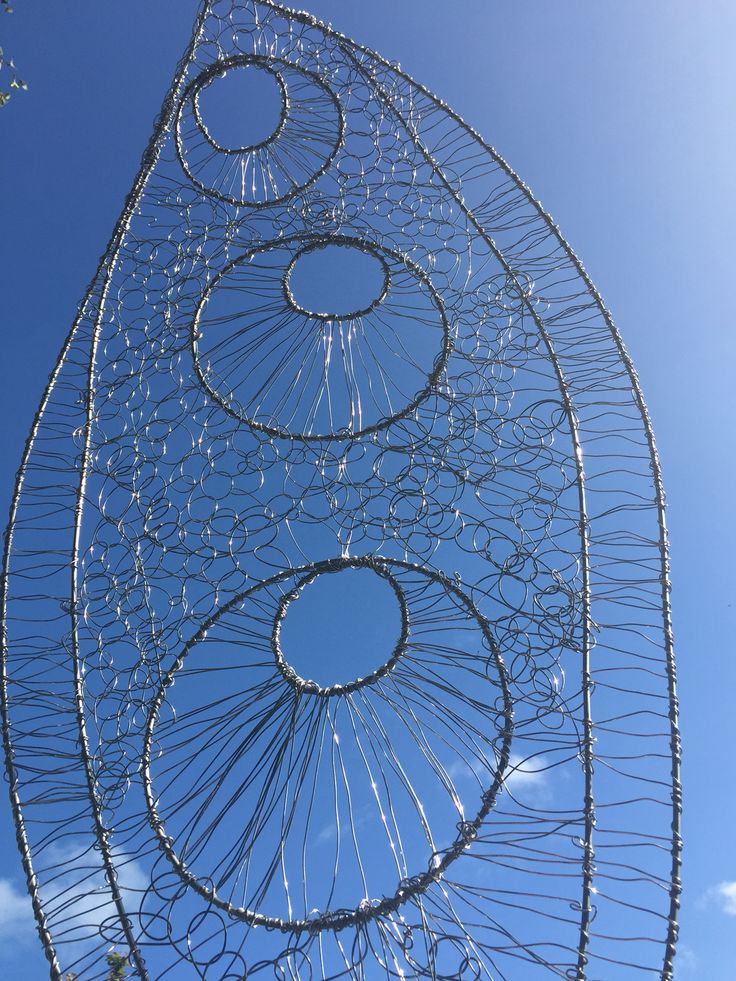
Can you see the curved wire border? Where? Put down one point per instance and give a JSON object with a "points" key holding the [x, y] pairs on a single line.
{"points": [[675, 742], [107, 265], [103, 274]]}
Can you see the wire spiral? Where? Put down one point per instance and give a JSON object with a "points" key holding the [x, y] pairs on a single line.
{"points": [[497, 794]]}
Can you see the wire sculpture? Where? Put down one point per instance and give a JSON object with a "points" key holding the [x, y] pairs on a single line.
{"points": [[498, 796]]}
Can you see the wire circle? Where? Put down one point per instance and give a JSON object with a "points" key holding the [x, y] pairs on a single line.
{"points": [[330, 568], [280, 694], [300, 149], [308, 376], [211, 83], [320, 245]]}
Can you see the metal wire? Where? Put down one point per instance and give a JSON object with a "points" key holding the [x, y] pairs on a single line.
{"points": [[498, 796]]}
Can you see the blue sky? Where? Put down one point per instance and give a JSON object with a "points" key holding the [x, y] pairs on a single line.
{"points": [[617, 116]]}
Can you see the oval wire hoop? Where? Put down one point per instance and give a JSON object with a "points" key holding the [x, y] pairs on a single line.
{"points": [[498, 796]]}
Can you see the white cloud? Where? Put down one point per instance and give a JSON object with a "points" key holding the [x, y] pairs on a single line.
{"points": [[526, 777], [76, 900], [727, 895], [79, 895], [16, 913], [460, 770], [723, 895], [522, 772]]}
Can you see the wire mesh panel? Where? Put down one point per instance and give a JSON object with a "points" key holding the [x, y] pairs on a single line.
{"points": [[339, 381]]}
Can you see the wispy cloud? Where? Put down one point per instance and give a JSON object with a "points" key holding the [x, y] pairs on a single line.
{"points": [[524, 775], [687, 961], [328, 833]]}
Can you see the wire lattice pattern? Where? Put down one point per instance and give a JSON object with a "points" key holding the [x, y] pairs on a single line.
{"points": [[497, 796]]}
